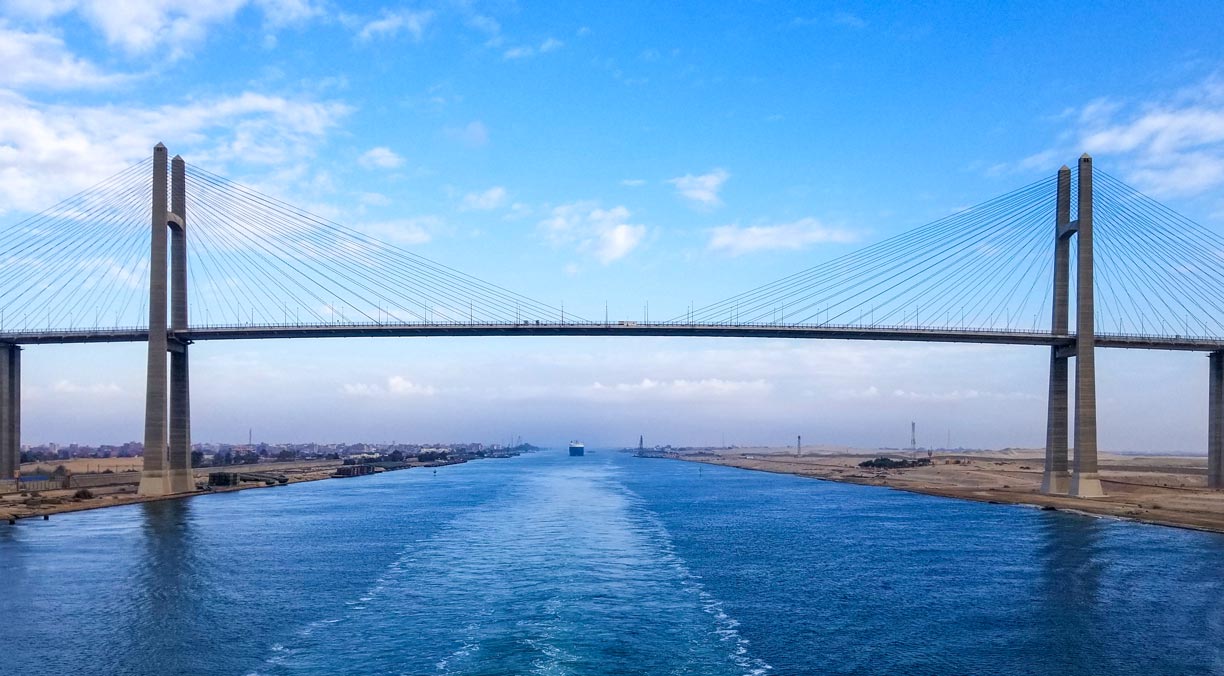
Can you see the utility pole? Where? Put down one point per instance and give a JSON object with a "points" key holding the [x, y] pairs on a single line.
{"points": [[798, 445]]}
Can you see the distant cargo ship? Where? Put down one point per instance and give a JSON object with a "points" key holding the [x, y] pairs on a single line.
{"points": [[577, 449]]}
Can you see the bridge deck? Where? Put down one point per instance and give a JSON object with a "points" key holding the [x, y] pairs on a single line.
{"points": [[826, 332]]}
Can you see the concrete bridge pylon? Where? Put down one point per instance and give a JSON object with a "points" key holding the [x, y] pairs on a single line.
{"points": [[10, 411], [1056, 478], [1215, 420], [1084, 481], [167, 438]]}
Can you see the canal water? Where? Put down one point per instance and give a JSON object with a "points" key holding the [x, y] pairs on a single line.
{"points": [[607, 564]]}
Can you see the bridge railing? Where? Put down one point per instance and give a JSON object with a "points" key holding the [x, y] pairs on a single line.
{"points": [[137, 332], [619, 324]]}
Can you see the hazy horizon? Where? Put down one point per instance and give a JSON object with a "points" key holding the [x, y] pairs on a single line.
{"points": [[615, 157]]}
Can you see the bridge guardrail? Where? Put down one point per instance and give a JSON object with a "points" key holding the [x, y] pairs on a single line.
{"points": [[134, 332]]}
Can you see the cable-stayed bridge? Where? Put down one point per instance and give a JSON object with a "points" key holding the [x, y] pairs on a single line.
{"points": [[107, 264]]}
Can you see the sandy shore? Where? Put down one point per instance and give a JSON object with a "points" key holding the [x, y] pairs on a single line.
{"points": [[45, 503], [1166, 490]]}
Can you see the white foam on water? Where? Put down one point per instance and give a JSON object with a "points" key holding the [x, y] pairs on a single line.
{"points": [[461, 655], [584, 507], [726, 628]]}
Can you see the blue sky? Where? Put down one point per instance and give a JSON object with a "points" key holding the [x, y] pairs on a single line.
{"points": [[624, 153]]}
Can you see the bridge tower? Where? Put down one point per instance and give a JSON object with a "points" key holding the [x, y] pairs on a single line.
{"points": [[10, 411], [1056, 479], [1215, 421], [167, 440], [1085, 481]]}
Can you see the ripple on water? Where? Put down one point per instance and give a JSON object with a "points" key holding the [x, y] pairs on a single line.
{"points": [[603, 565], [566, 571]]}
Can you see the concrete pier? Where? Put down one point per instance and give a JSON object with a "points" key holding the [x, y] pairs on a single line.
{"points": [[1056, 479], [1086, 482], [1215, 421], [179, 452], [10, 411], [154, 478]]}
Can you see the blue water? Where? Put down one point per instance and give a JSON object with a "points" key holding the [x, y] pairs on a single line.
{"points": [[607, 564]]}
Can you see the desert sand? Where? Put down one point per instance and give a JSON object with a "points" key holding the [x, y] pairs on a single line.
{"points": [[1166, 490], [44, 503]]}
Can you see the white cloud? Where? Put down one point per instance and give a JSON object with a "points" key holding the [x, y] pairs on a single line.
{"points": [[525, 51], [380, 158], [1170, 146], [483, 23], [474, 134], [283, 12], [604, 233], [69, 387], [519, 210], [486, 200], [168, 26], [618, 240], [848, 20], [703, 189], [409, 231], [964, 395], [936, 396], [395, 386], [393, 23], [373, 199], [40, 61], [50, 151], [792, 236], [678, 389], [1176, 148], [871, 392], [841, 19], [633, 182]]}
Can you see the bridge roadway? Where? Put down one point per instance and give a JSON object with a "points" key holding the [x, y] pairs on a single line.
{"points": [[420, 330]]}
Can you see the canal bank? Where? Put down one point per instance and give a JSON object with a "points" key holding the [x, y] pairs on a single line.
{"points": [[41, 504], [1160, 490]]}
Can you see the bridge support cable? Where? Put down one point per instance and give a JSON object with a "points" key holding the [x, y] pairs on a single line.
{"points": [[978, 268], [1174, 267], [84, 264], [60, 267], [332, 273], [90, 269]]}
